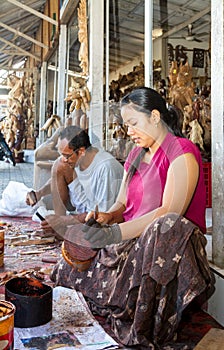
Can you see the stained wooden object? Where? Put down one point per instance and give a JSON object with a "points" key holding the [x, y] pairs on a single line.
{"points": [[213, 340]]}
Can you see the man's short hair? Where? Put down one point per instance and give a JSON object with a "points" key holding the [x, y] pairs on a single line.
{"points": [[80, 140], [69, 132], [76, 137]]}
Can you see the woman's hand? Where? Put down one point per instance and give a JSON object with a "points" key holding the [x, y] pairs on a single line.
{"points": [[100, 237], [102, 218]]}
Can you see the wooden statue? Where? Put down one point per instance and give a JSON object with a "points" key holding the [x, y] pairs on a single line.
{"points": [[181, 92], [187, 119], [18, 126], [197, 124], [196, 133], [121, 144], [79, 96], [83, 37]]}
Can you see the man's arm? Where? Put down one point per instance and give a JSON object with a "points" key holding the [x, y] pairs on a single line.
{"points": [[33, 197]]}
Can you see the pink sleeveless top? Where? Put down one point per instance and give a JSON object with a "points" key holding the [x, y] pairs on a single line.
{"points": [[145, 189]]}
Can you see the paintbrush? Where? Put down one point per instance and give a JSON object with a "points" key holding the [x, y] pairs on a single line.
{"points": [[96, 211]]}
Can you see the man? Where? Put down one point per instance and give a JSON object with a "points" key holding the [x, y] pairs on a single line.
{"points": [[82, 178]]}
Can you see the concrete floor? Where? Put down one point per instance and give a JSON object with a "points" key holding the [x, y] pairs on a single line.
{"points": [[21, 172]]}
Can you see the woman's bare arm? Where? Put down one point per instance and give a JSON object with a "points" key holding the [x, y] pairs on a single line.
{"points": [[181, 182]]}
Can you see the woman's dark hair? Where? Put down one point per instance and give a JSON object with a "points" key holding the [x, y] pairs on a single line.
{"points": [[145, 100]]}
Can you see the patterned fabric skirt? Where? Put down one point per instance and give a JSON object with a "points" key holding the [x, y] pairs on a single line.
{"points": [[144, 284]]}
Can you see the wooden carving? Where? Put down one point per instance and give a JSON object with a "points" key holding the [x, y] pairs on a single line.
{"points": [[181, 91], [79, 98], [18, 125], [83, 37]]}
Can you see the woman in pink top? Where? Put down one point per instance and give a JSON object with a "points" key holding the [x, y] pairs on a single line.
{"points": [[151, 261], [145, 192]]}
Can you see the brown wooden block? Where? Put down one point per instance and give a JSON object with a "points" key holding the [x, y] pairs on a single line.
{"points": [[213, 340]]}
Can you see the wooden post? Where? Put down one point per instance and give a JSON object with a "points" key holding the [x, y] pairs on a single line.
{"points": [[62, 72], [43, 94], [148, 43], [217, 112], [96, 68]]}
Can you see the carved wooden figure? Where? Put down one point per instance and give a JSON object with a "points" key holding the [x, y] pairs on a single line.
{"points": [[83, 37], [196, 133], [18, 126], [181, 92]]}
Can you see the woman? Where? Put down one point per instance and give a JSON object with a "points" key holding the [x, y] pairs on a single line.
{"points": [[158, 264]]}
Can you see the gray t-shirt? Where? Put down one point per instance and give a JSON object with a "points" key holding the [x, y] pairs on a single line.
{"points": [[99, 184]]}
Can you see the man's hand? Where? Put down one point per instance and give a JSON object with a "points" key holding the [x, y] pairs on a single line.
{"points": [[31, 198], [57, 225], [99, 237]]}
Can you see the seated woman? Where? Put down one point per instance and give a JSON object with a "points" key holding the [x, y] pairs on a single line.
{"points": [[151, 261]]}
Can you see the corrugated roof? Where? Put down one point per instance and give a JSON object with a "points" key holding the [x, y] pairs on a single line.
{"points": [[126, 28], [14, 23]]}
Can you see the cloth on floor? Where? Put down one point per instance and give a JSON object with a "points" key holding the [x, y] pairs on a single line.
{"points": [[21, 256], [13, 202], [195, 322]]}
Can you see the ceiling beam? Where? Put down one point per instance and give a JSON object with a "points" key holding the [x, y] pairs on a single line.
{"points": [[127, 54], [27, 37], [28, 20], [185, 24], [134, 34], [4, 46], [34, 12], [17, 69], [26, 53], [4, 61], [67, 10], [12, 53]]}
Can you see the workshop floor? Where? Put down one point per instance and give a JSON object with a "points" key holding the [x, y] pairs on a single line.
{"points": [[38, 260], [21, 172]]}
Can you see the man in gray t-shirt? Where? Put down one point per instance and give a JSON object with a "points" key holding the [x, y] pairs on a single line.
{"points": [[98, 183], [83, 176]]}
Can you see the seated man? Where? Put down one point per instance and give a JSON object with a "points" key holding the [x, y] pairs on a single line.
{"points": [[81, 178]]}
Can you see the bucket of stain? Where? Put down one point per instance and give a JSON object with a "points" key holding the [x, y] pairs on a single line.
{"points": [[32, 299], [7, 311]]}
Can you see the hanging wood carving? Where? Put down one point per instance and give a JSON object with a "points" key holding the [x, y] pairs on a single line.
{"points": [[83, 37], [18, 125], [79, 98]]}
